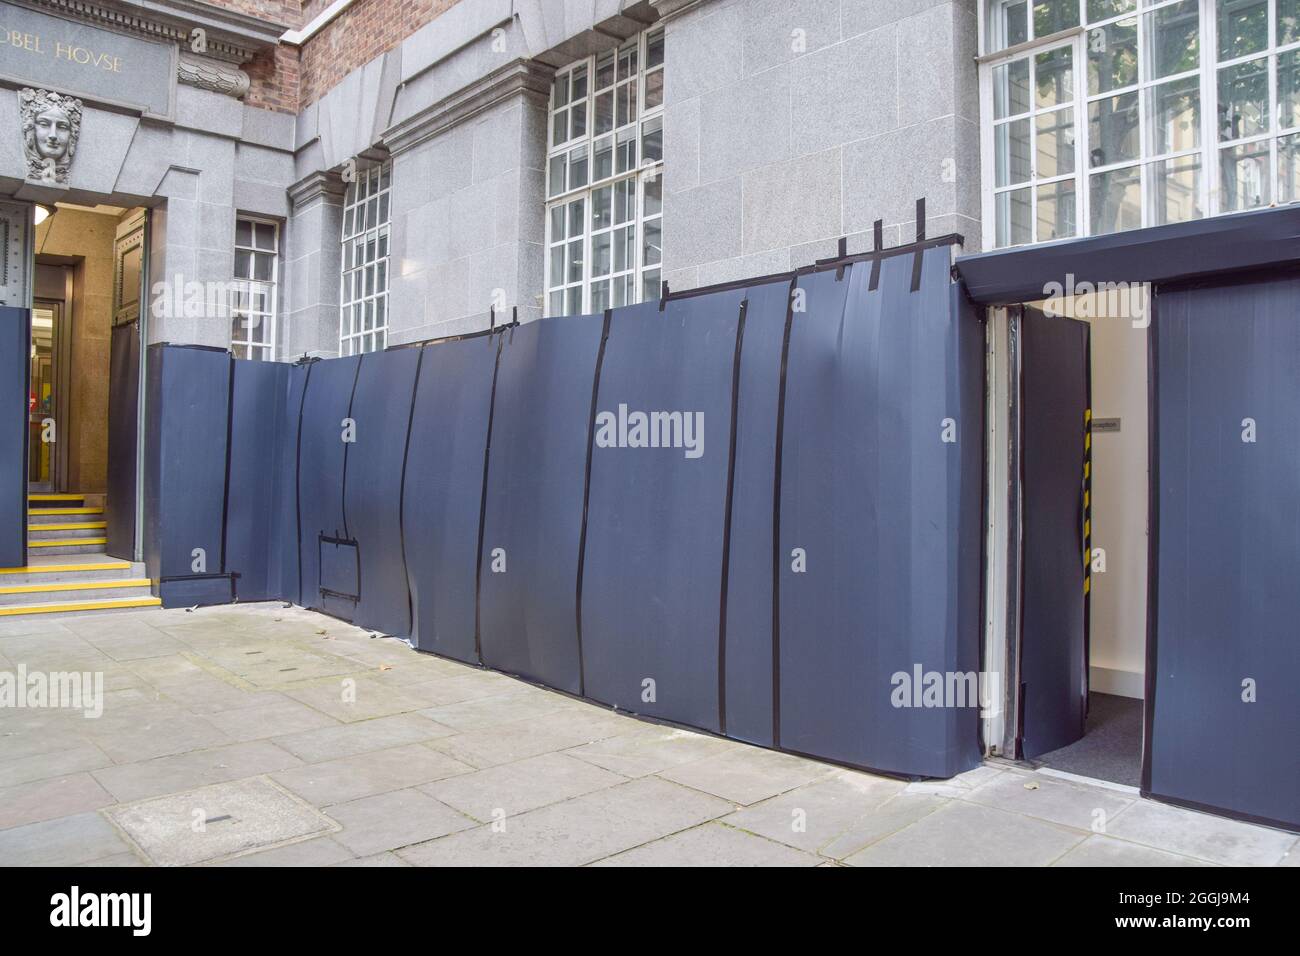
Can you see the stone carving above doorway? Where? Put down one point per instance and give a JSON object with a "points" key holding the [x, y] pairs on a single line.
{"points": [[51, 125]]}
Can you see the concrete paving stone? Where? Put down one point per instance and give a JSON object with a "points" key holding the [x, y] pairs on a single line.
{"points": [[237, 817], [1200, 835], [388, 821], [116, 860], [577, 831], [351, 699], [144, 731], [899, 811], [160, 671], [712, 844], [35, 733], [1293, 856], [65, 841], [469, 685], [56, 763], [135, 645], [270, 720], [514, 788], [23, 626], [1099, 850], [650, 749], [269, 664], [1058, 801], [379, 859], [491, 711], [345, 740], [196, 768], [50, 799], [965, 834], [748, 775], [318, 851], [207, 695], [363, 775], [507, 743], [812, 816]]}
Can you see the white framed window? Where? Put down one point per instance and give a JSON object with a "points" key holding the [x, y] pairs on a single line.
{"points": [[604, 180], [253, 298], [363, 295], [1107, 115]]}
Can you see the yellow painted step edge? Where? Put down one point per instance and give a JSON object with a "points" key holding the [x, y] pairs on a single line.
{"points": [[66, 542], [31, 512], [61, 568], [103, 605], [70, 526], [52, 497], [75, 586]]}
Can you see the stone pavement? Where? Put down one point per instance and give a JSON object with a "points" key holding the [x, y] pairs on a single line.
{"points": [[259, 735]]}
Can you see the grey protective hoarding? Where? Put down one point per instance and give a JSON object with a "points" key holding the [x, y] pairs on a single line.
{"points": [[533, 520], [186, 474], [651, 583], [15, 349], [882, 424], [1224, 664], [442, 500], [123, 423], [372, 486]]}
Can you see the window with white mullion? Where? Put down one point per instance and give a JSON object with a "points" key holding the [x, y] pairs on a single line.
{"points": [[604, 179], [253, 298], [363, 295]]}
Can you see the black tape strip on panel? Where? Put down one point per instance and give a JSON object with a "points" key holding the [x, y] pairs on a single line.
{"points": [[843, 252], [347, 447], [297, 476], [920, 238], [726, 524], [230, 429], [877, 243], [401, 499], [776, 521], [482, 505], [586, 494]]}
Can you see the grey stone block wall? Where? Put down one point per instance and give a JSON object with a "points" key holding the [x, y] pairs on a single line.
{"points": [[788, 125]]}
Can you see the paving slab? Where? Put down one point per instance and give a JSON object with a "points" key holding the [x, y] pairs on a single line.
{"points": [[1099, 850], [349, 699], [51, 799], [363, 775], [67, 841], [1038, 795], [748, 774], [493, 711], [318, 851], [515, 788], [56, 763], [897, 813], [651, 748], [965, 834], [577, 831], [1200, 835], [274, 719], [236, 817], [197, 768], [712, 844], [387, 821], [345, 740]]}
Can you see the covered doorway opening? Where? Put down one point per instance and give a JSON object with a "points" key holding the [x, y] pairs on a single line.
{"points": [[1068, 529]]}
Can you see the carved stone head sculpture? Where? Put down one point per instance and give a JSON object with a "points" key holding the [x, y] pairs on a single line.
{"points": [[51, 124]]}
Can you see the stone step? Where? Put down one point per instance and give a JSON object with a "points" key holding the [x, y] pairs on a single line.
{"points": [[53, 569], [74, 591], [81, 607], [64, 529], [68, 546]]}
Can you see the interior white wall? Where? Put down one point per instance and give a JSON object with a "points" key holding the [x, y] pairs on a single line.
{"points": [[1119, 322]]}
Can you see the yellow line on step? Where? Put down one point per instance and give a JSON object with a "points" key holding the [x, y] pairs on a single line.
{"points": [[61, 568], [66, 542], [104, 605], [76, 586], [43, 497], [64, 511], [70, 526]]}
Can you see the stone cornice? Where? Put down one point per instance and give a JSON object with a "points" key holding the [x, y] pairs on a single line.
{"points": [[668, 9], [526, 78], [317, 185]]}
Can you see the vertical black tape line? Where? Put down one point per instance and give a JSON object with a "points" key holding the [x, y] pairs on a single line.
{"points": [[586, 495], [878, 243], [726, 524], [225, 501], [842, 250], [482, 503], [297, 476], [1153, 537], [401, 500], [920, 237], [347, 446], [776, 521]]}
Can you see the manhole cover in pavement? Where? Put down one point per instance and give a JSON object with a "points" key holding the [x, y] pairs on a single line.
{"points": [[218, 821]]}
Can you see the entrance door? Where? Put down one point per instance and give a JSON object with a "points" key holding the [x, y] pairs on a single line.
{"points": [[121, 506], [1055, 399]]}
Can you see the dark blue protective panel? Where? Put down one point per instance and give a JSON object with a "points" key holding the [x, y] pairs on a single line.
{"points": [[123, 414], [15, 347], [748, 658], [285, 556], [373, 487], [256, 434], [1228, 549], [321, 452], [185, 476], [1053, 644], [651, 589], [879, 504], [443, 497], [528, 621]]}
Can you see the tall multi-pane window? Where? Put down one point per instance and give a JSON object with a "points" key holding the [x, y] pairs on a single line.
{"points": [[604, 181], [363, 297], [1106, 115], [253, 298]]}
